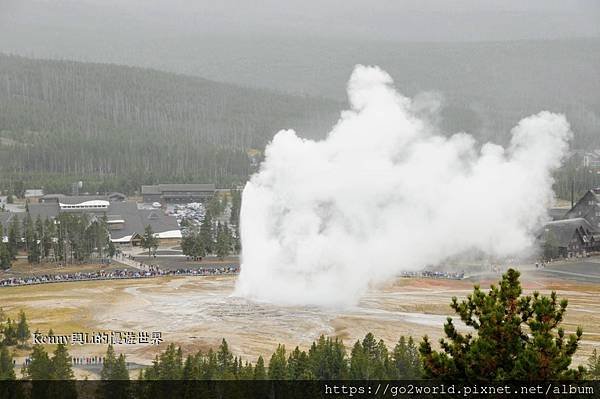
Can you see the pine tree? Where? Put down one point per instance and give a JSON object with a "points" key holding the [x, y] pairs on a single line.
{"points": [[198, 247], [61, 364], [149, 240], [29, 232], [278, 364], [33, 252], [192, 245], [40, 234], [40, 365], [190, 371], [222, 245], [327, 359], [247, 372], [593, 371], [236, 203], [49, 235], [112, 251], [406, 362], [210, 367], [237, 245], [187, 243], [299, 366], [109, 364], [120, 372], [5, 257], [114, 369], [23, 332], [517, 337], [370, 360], [10, 333], [206, 233], [359, 363], [170, 365], [225, 361], [259, 369], [7, 369], [14, 238]]}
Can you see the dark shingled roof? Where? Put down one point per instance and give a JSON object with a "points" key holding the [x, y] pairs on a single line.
{"points": [[563, 230], [135, 219], [157, 220], [120, 196], [53, 196], [161, 188], [128, 211], [186, 187], [44, 211], [150, 190], [557, 213]]}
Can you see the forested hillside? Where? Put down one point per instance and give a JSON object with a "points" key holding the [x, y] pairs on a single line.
{"points": [[118, 127], [487, 87]]}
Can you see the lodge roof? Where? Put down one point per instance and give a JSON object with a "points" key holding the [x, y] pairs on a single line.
{"points": [[150, 190], [134, 220], [557, 213], [161, 188], [563, 230], [34, 192], [78, 199]]}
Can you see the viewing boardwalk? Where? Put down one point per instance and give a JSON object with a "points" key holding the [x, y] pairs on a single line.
{"points": [[115, 275]]}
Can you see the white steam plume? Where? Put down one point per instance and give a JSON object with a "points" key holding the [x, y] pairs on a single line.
{"points": [[383, 194]]}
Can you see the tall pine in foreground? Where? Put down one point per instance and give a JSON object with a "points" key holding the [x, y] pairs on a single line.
{"points": [[7, 369], [61, 364], [516, 337], [113, 367], [114, 376], [40, 365]]}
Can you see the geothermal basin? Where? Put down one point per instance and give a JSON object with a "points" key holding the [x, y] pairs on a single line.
{"points": [[197, 312]]}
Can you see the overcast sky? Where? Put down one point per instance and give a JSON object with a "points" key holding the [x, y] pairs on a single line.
{"points": [[402, 20]]}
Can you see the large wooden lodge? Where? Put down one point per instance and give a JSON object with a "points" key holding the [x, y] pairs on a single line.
{"points": [[577, 233]]}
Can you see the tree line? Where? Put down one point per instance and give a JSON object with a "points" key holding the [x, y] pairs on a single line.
{"points": [[218, 238], [212, 236], [67, 238], [117, 127], [573, 178]]}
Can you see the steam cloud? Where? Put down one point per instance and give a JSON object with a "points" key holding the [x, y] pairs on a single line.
{"points": [[383, 193]]}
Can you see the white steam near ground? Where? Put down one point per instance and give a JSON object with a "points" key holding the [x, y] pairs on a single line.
{"points": [[383, 193]]}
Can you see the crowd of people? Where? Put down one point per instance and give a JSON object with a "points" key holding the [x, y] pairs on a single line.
{"points": [[115, 275], [435, 274], [76, 360]]}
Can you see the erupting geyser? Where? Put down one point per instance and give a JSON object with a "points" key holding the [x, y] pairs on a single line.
{"points": [[383, 194]]}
